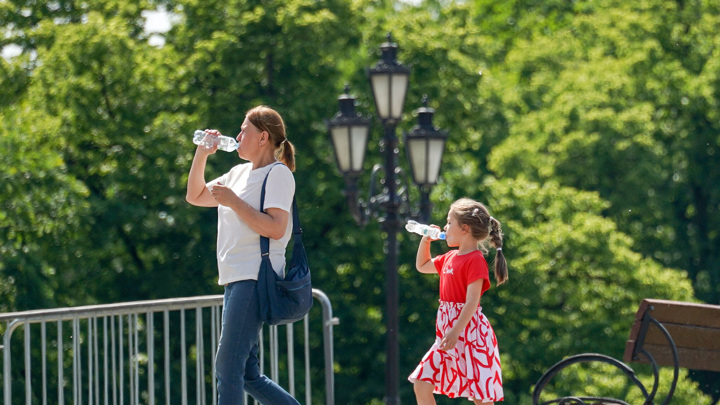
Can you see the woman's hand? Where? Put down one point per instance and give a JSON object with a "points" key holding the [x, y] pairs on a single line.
{"points": [[223, 195], [450, 339], [210, 133]]}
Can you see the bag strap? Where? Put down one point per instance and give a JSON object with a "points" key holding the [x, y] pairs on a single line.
{"points": [[297, 230]]}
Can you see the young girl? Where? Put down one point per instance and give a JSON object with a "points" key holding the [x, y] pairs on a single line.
{"points": [[464, 361]]}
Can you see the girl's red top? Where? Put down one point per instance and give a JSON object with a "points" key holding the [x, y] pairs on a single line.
{"points": [[458, 271]]}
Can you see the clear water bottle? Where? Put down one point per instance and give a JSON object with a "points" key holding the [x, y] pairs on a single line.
{"points": [[425, 230], [223, 142]]}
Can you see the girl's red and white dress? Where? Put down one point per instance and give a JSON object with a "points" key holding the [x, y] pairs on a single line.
{"points": [[472, 368]]}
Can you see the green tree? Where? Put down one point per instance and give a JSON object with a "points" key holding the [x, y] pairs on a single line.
{"points": [[41, 209], [115, 109], [577, 283], [583, 127], [627, 91], [621, 101]]}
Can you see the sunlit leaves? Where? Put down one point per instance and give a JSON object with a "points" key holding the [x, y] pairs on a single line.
{"points": [[590, 130]]}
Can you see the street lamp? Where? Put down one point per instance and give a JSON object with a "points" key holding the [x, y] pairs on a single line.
{"points": [[389, 79], [349, 134], [424, 146]]}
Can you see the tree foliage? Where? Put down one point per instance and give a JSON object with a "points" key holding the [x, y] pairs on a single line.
{"points": [[590, 130], [626, 91]]}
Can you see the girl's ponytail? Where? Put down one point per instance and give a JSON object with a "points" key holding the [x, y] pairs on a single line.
{"points": [[496, 241]]}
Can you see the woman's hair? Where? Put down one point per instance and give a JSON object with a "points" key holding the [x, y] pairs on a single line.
{"points": [[482, 226], [268, 120]]}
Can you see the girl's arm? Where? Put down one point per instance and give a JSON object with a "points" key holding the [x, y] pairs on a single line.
{"points": [[423, 260], [472, 300]]}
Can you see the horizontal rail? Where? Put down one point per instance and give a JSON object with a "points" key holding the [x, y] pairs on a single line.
{"points": [[124, 308]]}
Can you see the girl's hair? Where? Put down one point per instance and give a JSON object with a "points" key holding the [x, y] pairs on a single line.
{"points": [[482, 226], [268, 120]]}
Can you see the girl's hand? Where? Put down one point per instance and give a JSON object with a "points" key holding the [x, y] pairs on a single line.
{"points": [[223, 195], [436, 227], [450, 339], [426, 238]]}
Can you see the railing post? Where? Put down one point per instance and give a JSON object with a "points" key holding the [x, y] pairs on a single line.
{"points": [[7, 381], [328, 323]]}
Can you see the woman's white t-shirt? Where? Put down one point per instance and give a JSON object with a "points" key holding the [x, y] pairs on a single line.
{"points": [[238, 246]]}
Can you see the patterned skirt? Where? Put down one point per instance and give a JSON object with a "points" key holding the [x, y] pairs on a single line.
{"points": [[472, 368]]}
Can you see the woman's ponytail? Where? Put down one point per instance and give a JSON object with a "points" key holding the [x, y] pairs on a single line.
{"points": [[286, 154]]}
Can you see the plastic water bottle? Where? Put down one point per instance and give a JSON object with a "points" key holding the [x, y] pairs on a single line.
{"points": [[223, 142], [425, 230]]}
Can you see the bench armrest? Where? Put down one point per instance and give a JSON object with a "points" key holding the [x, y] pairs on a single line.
{"points": [[584, 358]]}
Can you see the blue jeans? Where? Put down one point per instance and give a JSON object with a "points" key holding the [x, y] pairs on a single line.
{"points": [[236, 362]]}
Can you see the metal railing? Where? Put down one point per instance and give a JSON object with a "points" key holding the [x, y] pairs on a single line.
{"points": [[115, 353]]}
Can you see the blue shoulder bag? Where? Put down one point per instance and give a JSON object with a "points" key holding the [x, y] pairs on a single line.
{"points": [[284, 299]]}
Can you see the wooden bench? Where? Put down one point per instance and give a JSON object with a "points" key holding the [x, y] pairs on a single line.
{"points": [[665, 333]]}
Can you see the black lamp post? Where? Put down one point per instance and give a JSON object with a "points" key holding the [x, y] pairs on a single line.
{"points": [[349, 134]]}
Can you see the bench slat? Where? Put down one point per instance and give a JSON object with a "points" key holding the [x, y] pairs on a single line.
{"points": [[685, 336], [688, 358], [695, 329], [684, 313]]}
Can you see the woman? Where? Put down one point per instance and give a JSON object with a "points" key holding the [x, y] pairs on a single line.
{"points": [[236, 194]]}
